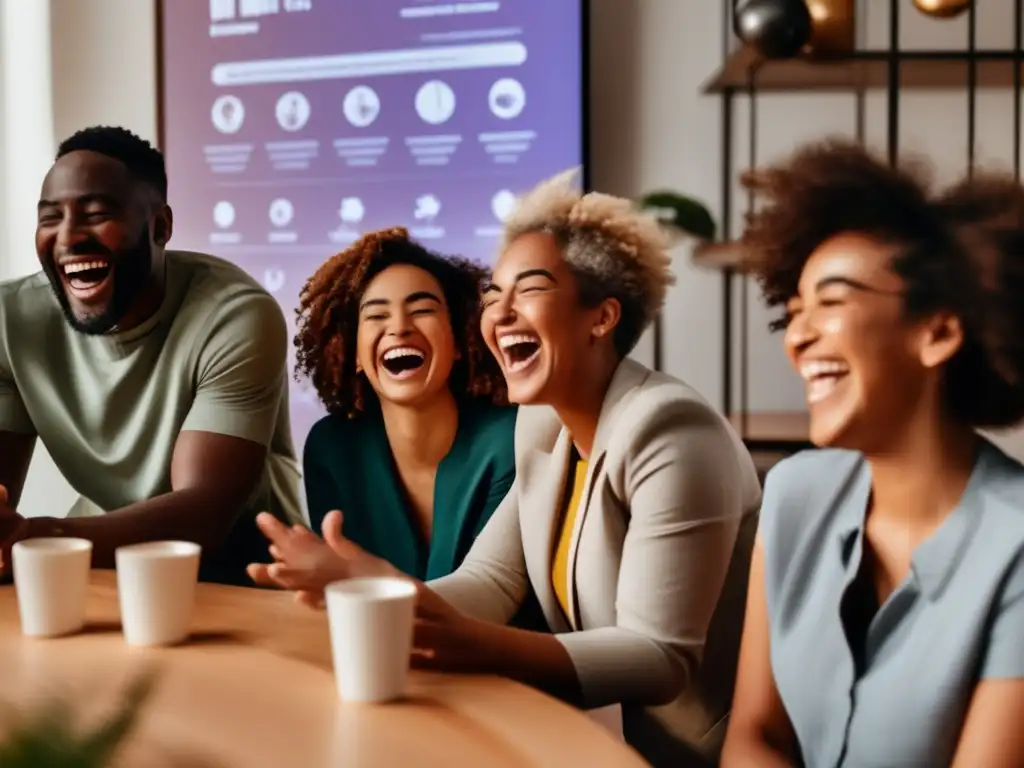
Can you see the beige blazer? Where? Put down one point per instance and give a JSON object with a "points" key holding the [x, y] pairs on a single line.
{"points": [[659, 558]]}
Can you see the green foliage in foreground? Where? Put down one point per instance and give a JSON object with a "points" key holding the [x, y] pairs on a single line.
{"points": [[51, 738]]}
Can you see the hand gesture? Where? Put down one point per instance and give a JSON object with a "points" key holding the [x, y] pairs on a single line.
{"points": [[306, 563], [449, 641]]}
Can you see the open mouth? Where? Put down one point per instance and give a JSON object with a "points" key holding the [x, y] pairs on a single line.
{"points": [[519, 350], [822, 377], [86, 278], [403, 362]]}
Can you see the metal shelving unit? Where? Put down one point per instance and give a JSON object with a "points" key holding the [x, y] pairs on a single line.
{"points": [[744, 75]]}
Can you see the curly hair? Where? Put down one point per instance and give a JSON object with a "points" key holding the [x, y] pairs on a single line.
{"points": [[328, 318], [960, 250], [612, 249]]}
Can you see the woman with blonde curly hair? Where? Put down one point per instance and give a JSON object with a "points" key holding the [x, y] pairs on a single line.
{"points": [[417, 445], [634, 507]]}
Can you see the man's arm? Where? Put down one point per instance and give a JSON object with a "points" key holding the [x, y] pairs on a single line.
{"points": [[17, 437], [15, 456], [221, 451]]}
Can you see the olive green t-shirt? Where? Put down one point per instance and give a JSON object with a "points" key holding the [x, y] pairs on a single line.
{"points": [[109, 407]]}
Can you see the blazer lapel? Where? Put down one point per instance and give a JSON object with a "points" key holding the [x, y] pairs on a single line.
{"points": [[541, 499], [624, 384]]}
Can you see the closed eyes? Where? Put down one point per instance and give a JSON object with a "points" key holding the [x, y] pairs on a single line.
{"points": [[385, 316], [783, 322], [490, 300]]}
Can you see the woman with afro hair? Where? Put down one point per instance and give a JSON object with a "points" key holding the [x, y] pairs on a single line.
{"points": [[633, 513], [885, 614], [416, 449]]}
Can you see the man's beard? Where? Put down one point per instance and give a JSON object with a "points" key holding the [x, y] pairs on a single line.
{"points": [[131, 269]]}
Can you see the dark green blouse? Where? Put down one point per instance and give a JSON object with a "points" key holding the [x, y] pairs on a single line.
{"points": [[348, 465]]}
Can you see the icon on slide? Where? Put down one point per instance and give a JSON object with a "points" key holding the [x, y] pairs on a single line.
{"points": [[259, 7], [502, 204], [427, 208], [361, 106], [351, 210], [292, 111], [507, 98], [227, 114], [273, 279], [223, 214], [221, 10], [435, 102], [281, 212]]}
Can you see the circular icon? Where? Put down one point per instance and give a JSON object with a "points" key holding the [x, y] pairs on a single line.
{"points": [[502, 204], [273, 279], [292, 111], [427, 208], [281, 212], [351, 210], [435, 102], [227, 114], [507, 98], [223, 214], [361, 106]]}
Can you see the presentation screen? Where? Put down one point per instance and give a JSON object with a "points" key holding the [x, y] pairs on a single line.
{"points": [[292, 126]]}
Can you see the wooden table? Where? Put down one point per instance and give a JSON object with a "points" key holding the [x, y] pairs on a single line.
{"points": [[254, 687]]}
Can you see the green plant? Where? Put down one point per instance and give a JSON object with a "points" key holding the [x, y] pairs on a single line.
{"points": [[680, 214], [52, 739]]}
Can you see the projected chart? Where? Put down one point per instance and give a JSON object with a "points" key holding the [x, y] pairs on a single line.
{"points": [[292, 126]]}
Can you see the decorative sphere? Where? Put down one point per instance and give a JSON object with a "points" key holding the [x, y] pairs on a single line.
{"points": [[776, 29], [942, 9]]}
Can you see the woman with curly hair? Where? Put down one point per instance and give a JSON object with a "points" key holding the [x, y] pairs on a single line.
{"points": [[885, 610], [634, 507], [417, 446]]}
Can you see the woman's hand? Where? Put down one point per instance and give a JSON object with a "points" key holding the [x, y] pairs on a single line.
{"points": [[306, 563], [447, 640]]}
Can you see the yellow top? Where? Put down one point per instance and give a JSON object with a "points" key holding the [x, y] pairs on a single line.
{"points": [[560, 562]]}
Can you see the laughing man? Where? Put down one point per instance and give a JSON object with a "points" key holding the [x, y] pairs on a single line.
{"points": [[156, 379]]}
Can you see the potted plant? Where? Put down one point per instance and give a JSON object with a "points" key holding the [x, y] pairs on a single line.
{"points": [[51, 737], [680, 215]]}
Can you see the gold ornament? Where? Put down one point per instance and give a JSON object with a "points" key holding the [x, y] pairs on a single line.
{"points": [[942, 9], [834, 31]]}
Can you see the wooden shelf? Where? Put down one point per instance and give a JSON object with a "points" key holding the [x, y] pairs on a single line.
{"points": [[866, 70], [774, 431], [720, 255]]}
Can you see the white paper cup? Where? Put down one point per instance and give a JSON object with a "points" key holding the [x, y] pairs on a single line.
{"points": [[371, 624], [156, 585], [51, 578]]}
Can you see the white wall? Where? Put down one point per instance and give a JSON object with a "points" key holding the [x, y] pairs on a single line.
{"points": [[651, 127], [62, 69], [26, 151], [93, 84]]}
